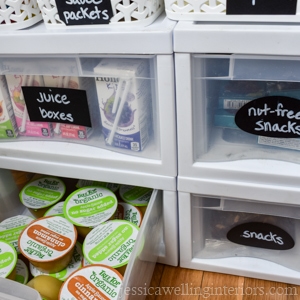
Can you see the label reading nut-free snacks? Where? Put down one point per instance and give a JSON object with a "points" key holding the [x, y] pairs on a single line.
{"points": [[135, 195], [47, 239], [42, 192], [110, 243], [8, 258], [74, 264], [92, 282], [11, 228], [22, 272], [90, 206]]}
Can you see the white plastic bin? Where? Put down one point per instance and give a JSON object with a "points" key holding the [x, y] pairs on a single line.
{"points": [[240, 237], [211, 147]]}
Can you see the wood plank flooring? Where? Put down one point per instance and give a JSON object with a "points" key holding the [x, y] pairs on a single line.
{"points": [[178, 283]]}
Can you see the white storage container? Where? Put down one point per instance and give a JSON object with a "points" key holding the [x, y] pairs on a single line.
{"points": [[158, 236], [239, 236], [211, 89]]}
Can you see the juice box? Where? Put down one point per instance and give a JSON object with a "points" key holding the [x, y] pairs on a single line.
{"points": [[123, 89], [8, 125], [25, 126]]}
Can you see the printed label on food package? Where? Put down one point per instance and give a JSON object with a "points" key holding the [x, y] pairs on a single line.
{"points": [[111, 186], [55, 210], [8, 125], [291, 143], [8, 258], [90, 206], [22, 272], [25, 126], [92, 282], [128, 212], [124, 102], [47, 239], [74, 265], [42, 192], [110, 243], [11, 228], [234, 103], [135, 195]]}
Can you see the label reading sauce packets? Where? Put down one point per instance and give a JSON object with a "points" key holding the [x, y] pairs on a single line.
{"points": [[47, 239], [90, 206], [11, 228], [8, 258], [273, 116], [92, 282], [42, 192], [135, 195], [110, 243], [74, 265]]}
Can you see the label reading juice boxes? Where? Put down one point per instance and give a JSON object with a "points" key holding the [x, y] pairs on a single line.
{"points": [[90, 206], [11, 228], [8, 125], [8, 259], [110, 243], [92, 282], [42, 192], [125, 102]]}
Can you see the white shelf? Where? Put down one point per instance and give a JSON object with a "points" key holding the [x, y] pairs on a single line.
{"points": [[157, 38]]}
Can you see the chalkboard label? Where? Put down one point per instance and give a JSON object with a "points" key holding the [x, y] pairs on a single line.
{"points": [[261, 235], [84, 12], [261, 7], [58, 105], [273, 116]]}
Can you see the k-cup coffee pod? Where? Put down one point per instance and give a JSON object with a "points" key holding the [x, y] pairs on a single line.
{"points": [[55, 210], [90, 206], [128, 212], [41, 193], [136, 196], [48, 243], [74, 265], [8, 260], [11, 228], [110, 243], [92, 282], [22, 272]]}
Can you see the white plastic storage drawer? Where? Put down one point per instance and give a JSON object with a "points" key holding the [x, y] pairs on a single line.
{"points": [[240, 237], [238, 118]]}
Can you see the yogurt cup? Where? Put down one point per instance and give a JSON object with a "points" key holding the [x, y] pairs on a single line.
{"points": [[114, 187], [8, 260], [74, 265], [22, 273], [11, 228], [90, 206], [55, 210], [136, 196], [110, 243], [48, 243], [41, 193], [92, 282], [128, 212]]}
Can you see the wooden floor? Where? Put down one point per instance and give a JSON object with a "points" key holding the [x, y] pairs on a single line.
{"points": [[178, 283]]}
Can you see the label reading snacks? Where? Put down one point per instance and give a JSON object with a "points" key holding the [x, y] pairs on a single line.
{"points": [[261, 235], [92, 282], [110, 243], [47, 239], [273, 116], [42, 192], [90, 206], [8, 258]]}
